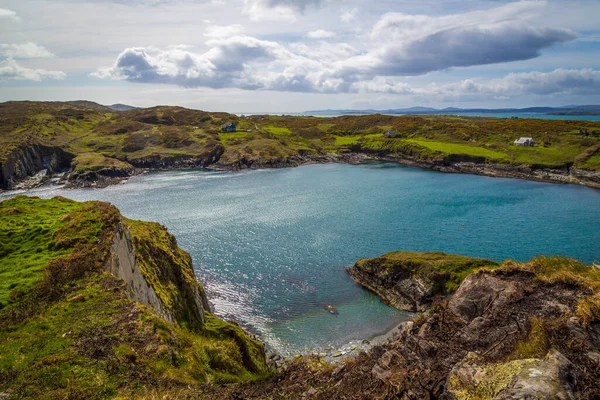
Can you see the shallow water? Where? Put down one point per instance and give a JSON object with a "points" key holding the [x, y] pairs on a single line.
{"points": [[271, 245]]}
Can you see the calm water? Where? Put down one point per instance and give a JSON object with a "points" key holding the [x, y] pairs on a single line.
{"points": [[270, 245]]}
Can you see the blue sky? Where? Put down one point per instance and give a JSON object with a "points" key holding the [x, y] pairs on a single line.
{"points": [[293, 55]]}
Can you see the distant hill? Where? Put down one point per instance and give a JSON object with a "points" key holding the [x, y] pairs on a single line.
{"points": [[566, 110], [122, 107], [89, 104], [100, 107]]}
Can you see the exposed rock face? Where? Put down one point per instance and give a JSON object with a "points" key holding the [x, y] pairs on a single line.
{"points": [[165, 282], [122, 264], [30, 160], [409, 281]]}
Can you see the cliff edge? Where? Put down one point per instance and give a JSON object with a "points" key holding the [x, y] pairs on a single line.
{"points": [[94, 305]]}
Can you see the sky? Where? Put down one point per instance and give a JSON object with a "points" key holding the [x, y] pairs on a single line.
{"points": [[285, 56]]}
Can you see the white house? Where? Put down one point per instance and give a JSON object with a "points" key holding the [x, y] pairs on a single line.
{"points": [[525, 141]]}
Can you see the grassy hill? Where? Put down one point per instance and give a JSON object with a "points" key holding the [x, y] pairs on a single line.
{"points": [[95, 138], [70, 329]]}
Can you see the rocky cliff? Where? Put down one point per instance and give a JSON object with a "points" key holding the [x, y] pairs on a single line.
{"points": [[514, 331], [410, 281], [26, 161], [93, 305]]}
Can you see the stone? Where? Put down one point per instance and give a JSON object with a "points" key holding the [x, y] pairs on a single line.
{"points": [[380, 373]]}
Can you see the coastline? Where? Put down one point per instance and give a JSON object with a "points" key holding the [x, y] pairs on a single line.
{"points": [[547, 175]]}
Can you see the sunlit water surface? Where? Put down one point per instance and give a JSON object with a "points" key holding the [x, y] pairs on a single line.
{"points": [[271, 246]]}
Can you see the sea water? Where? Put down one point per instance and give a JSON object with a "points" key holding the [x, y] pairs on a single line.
{"points": [[271, 246]]}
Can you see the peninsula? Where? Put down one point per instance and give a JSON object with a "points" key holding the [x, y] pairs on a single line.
{"points": [[87, 144]]}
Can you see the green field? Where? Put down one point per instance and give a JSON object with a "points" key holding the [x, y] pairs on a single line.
{"points": [[453, 148]]}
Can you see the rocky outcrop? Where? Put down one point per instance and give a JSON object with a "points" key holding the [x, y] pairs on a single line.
{"points": [[27, 161], [410, 281], [100, 178], [551, 377], [122, 264]]}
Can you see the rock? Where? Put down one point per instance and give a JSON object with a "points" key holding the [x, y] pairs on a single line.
{"points": [[388, 358], [594, 356], [338, 370], [365, 341], [380, 373], [480, 293], [548, 378], [410, 280], [552, 378]]}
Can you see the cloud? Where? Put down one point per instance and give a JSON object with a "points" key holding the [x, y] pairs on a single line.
{"points": [[401, 45], [278, 9], [349, 15], [418, 44], [558, 82], [224, 65], [320, 34], [24, 50], [11, 70], [8, 14], [223, 31]]}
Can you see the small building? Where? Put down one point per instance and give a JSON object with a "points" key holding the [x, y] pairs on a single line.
{"points": [[229, 128], [391, 134], [525, 141]]}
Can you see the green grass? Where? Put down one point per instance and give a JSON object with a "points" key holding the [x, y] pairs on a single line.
{"points": [[454, 148], [95, 161], [28, 241], [80, 336], [553, 156], [446, 270], [592, 163], [277, 130]]}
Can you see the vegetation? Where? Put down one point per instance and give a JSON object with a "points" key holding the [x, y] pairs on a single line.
{"points": [[99, 137], [446, 270], [69, 330]]}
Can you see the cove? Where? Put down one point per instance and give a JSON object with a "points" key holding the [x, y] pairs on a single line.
{"points": [[270, 246]]}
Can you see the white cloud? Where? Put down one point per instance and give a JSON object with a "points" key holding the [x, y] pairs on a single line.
{"points": [[277, 9], [320, 34], [349, 15], [24, 50], [417, 44], [558, 82], [8, 14], [223, 31], [402, 45], [11, 70]]}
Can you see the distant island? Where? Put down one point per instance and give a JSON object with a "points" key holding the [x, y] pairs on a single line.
{"points": [[566, 110]]}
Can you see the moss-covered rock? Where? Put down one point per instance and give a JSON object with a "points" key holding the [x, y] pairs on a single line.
{"points": [[410, 280]]}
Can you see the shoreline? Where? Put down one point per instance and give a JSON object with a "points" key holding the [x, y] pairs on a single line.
{"points": [[547, 175]]}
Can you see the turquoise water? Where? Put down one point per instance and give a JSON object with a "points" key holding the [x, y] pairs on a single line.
{"points": [[271, 245]]}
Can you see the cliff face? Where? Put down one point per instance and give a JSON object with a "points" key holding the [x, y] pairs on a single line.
{"points": [[93, 305], [122, 264], [27, 161]]}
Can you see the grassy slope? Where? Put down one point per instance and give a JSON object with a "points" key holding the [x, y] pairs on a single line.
{"points": [[102, 138], [69, 328]]}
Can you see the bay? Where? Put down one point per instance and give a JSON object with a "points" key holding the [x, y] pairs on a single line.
{"points": [[271, 246]]}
